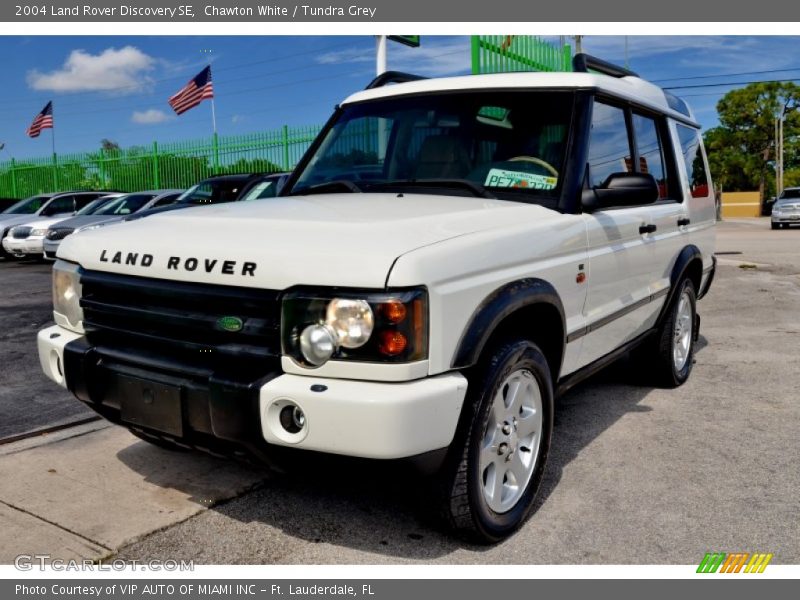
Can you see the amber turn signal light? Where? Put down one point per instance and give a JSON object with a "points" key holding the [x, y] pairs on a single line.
{"points": [[392, 343], [394, 311]]}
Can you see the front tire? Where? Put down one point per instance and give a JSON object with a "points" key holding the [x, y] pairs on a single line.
{"points": [[497, 460]]}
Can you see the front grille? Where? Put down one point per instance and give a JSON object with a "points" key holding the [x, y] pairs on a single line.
{"points": [[177, 320], [21, 233], [58, 234]]}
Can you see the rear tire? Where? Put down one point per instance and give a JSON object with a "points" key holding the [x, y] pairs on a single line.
{"points": [[671, 354], [497, 459]]}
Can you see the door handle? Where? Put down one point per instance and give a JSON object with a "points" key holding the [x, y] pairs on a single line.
{"points": [[647, 228], [684, 221]]}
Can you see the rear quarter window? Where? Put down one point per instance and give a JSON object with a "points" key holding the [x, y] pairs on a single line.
{"points": [[692, 151]]}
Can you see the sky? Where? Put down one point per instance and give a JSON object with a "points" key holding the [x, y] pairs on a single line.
{"points": [[116, 87]]}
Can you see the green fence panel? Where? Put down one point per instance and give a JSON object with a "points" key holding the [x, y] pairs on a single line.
{"points": [[512, 53], [160, 165]]}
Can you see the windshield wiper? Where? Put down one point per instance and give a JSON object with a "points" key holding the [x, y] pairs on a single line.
{"points": [[477, 190], [327, 187]]}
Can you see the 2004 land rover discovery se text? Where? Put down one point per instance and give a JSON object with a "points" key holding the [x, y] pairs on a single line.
{"points": [[447, 258]]}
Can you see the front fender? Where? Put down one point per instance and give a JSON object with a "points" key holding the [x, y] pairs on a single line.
{"points": [[498, 306]]}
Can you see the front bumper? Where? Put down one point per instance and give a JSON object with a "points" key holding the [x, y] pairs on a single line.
{"points": [[50, 248], [25, 246], [353, 418], [786, 218]]}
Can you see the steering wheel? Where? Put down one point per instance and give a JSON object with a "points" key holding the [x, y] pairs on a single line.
{"points": [[537, 161]]}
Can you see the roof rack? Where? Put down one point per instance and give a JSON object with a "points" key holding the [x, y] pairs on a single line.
{"points": [[392, 77], [583, 63]]}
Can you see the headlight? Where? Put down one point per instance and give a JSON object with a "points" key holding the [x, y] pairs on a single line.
{"points": [[90, 227], [351, 320], [67, 310], [355, 326], [38, 232]]}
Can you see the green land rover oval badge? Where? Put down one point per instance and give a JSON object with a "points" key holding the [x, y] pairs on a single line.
{"points": [[232, 324]]}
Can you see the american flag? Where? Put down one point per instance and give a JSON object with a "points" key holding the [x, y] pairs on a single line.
{"points": [[44, 120], [193, 93]]}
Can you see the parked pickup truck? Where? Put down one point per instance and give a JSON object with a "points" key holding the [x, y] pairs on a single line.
{"points": [[448, 257]]}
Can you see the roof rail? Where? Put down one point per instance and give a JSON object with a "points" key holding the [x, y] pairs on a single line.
{"points": [[583, 63], [392, 77]]}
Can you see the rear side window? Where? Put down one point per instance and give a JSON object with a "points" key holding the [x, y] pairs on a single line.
{"points": [[693, 159], [165, 200], [62, 205], [609, 147], [651, 154], [125, 205], [82, 200], [214, 191]]}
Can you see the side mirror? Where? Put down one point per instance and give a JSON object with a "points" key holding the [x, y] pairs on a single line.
{"points": [[621, 189]]}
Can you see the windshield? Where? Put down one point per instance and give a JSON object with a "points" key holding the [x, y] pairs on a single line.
{"points": [[790, 194], [507, 144], [93, 206], [125, 205], [214, 191], [27, 206]]}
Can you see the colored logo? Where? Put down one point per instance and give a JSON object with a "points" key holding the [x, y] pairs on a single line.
{"points": [[735, 562], [232, 324]]}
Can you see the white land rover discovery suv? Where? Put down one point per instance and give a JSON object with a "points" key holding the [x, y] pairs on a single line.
{"points": [[448, 257]]}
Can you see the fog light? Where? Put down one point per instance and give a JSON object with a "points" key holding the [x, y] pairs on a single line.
{"points": [[292, 418], [317, 343], [298, 417]]}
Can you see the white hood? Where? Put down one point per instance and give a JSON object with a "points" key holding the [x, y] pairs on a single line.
{"points": [[321, 240]]}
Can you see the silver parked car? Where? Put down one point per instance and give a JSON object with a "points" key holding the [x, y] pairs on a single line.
{"points": [[29, 219], [116, 210], [786, 210]]}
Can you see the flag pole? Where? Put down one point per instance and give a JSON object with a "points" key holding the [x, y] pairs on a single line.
{"points": [[213, 106], [214, 125], [53, 146]]}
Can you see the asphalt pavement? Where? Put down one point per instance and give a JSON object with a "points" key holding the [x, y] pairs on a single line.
{"points": [[28, 400]]}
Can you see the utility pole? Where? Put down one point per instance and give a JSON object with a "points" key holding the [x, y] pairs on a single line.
{"points": [[381, 66], [578, 44], [380, 55], [777, 158], [780, 144], [627, 62], [779, 170]]}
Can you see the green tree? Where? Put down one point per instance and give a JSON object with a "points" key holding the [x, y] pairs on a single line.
{"points": [[742, 149], [252, 165], [725, 161]]}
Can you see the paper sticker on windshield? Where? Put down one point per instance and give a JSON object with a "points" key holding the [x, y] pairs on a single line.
{"points": [[503, 178]]}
